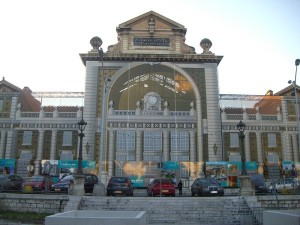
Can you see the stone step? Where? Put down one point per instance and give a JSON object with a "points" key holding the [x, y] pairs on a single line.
{"points": [[178, 210]]}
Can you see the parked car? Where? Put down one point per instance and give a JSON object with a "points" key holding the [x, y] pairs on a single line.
{"points": [[11, 183], [119, 185], [281, 184], [161, 186], [206, 186], [258, 182], [64, 183], [37, 183]]}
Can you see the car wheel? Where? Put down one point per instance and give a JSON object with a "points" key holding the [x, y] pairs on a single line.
{"points": [[193, 194]]}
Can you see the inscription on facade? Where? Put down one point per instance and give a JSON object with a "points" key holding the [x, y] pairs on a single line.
{"points": [[151, 42]]}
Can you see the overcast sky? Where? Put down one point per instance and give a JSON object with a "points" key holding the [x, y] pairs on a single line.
{"points": [[41, 40]]}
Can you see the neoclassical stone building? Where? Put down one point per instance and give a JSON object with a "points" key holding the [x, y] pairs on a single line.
{"points": [[150, 98]]}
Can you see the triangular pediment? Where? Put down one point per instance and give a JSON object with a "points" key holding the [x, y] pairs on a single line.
{"points": [[5, 86], [288, 91], [142, 22], [151, 33]]}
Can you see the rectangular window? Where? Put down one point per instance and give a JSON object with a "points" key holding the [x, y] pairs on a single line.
{"points": [[1, 105], [234, 140], [67, 138], [272, 140], [126, 140], [27, 137], [152, 141], [179, 140]]}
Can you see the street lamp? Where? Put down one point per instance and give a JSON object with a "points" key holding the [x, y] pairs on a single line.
{"points": [[297, 62], [241, 127], [77, 188], [81, 126]]}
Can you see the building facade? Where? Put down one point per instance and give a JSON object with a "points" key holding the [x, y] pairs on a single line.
{"points": [[150, 98]]}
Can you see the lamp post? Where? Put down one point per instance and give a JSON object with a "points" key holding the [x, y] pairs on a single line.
{"points": [[241, 127], [78, 186], [81, 126], [297, 62], [246, 187]]}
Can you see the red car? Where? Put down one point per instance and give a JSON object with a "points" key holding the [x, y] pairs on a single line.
{"points": [[37, 184], [161, 186]]}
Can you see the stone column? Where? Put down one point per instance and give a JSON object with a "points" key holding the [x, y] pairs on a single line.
{"points": [[39, 156], [247, 147], [111, 151], [286, 146], [166, 152], [9, 144], [139, 153], [213, 112], [259, 148], [53, 145], [192, 146], [2, 144], [91, 96], [295, 148]]}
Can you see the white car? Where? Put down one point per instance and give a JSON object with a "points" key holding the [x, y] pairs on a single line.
{"points": [[288, 184]]}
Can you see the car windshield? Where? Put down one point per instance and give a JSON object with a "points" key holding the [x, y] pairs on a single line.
{"points": [[208, 181], [164, 181], [118, 179], [66, 178]]}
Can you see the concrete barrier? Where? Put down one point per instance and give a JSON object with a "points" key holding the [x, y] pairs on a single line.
{"points": [[279, 217], [87, 217]]}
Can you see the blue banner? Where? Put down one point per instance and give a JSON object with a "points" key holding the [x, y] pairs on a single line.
{"points": [[74, 164]]}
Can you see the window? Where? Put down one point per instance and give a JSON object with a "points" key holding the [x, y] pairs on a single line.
{"points": [[66, 155], [272, 140], [67, 138], [234, 140], [179, 140], [1, 105], [27, 137], [152, 141], [126, 140]]}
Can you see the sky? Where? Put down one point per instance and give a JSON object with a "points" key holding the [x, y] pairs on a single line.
{"points": [[41, 40]]}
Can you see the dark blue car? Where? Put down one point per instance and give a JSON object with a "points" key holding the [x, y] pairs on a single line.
{"points": [[64, 184]]}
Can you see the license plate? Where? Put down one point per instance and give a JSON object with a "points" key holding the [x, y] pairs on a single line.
{"points": [[164, 191], [118, 192], [214, 192], [57, 189]]}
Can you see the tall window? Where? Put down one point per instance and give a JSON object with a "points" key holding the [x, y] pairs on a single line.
{"points": [[272, 140], [27, 137], [179, 140], [67, 138], [234, 140], [126, 140], [152, 141], [1, 105]]}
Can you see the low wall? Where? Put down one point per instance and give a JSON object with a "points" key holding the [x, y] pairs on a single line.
{"points": [[56, 203], [33, 203], [282, 201]]}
